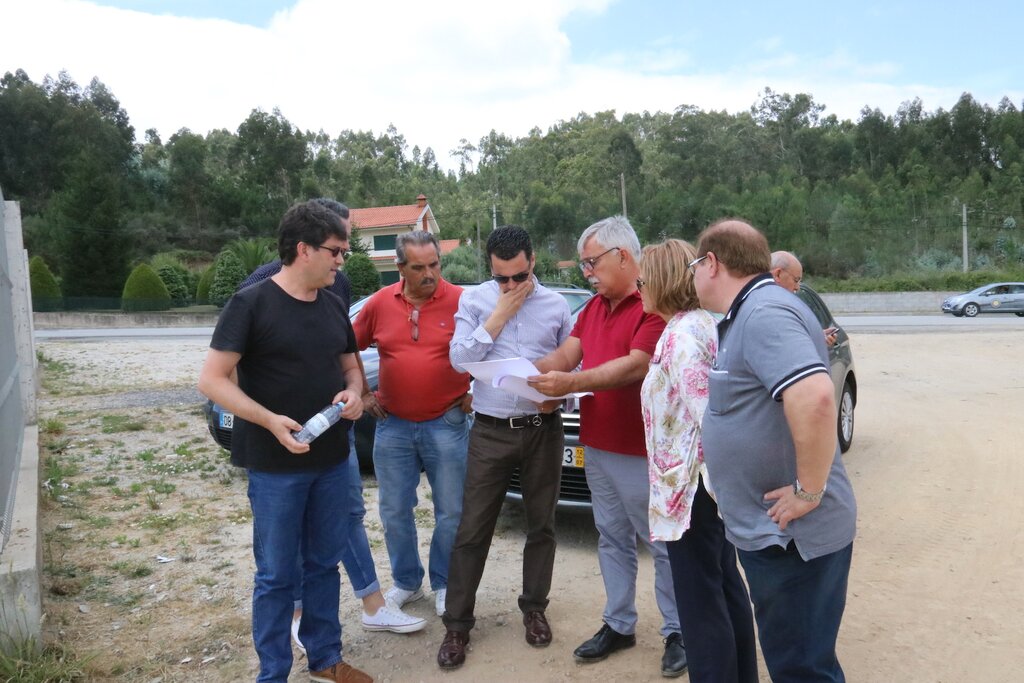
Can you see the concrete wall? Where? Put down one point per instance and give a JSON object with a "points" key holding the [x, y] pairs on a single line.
{"points": [[74, 320], [883, 303], [21, 610]]}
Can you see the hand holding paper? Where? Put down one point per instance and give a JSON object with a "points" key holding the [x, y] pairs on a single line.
{"points": [[510, 375]]}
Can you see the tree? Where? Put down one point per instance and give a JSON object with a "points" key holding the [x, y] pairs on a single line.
{"points": [[363, 274], [462, 264], [253, 253], [176, 286], [144, 291], [46, 294], [228, 273]]}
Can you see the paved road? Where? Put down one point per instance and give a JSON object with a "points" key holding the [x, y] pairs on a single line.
{"points": [[852, 323]]}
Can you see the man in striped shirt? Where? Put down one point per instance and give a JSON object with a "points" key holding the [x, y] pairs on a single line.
{"points": [[769, 437]]}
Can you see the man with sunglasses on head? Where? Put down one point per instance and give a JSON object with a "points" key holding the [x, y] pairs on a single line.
{"points": [[512, 316], [420, 405], [295, 352], [615, 340]]}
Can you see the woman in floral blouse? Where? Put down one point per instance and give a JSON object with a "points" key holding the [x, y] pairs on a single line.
{"points": [[714, 609]]}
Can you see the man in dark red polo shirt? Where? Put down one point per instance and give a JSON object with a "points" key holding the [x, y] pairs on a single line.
{"points": [[420, 406], [615, 339]]}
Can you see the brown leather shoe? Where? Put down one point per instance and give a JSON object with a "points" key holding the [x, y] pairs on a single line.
{"points": [[452, 653], [340, 673], [538, 632]]}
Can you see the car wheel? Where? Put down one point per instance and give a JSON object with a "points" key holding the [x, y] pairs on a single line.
{"points": [[845, 423], [1019, 315], [971, 310]]}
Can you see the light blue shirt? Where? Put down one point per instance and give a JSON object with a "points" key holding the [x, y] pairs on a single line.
{"points": [[539, 327]]}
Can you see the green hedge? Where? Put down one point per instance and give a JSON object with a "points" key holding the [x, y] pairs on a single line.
{"points": [[145, 291], [203, 288], [176, 285], [917, 282], [46, 295]]}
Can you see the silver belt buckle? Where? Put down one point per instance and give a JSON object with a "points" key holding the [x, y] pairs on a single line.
{"points": [[512, 423]]}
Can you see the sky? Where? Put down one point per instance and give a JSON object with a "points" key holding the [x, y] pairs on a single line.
{"points": [[446, 70]]}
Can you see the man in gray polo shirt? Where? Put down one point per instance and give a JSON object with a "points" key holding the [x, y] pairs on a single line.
{"points": [[769, 437], [513, 316]]}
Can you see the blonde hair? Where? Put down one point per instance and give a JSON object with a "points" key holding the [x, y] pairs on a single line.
{"points": [[667, 279]]}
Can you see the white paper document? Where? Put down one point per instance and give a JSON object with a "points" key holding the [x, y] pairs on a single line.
{"points": [[510, 375]]}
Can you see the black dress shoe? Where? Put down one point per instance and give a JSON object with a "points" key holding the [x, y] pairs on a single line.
{"points": [[538, 632], [673, 662], [604, 642], [452, 653]]}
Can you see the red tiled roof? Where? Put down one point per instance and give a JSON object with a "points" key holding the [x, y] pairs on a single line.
{"points": [[383, 216], [448, 246], [566, 264]]}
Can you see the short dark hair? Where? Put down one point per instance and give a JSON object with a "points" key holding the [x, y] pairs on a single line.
{"points": [[507, 241], [737, 245], [310, 222], [334, 205]]}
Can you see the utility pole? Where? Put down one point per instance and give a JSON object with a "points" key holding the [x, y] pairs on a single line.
{"points": [[494, 217], [964, 207], [479, 254], [622, 187]]}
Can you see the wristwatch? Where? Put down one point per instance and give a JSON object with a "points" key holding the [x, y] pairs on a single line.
{"points": [[799, 492]]}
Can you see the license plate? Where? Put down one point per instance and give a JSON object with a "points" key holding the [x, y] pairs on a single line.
{"points": [[572, 456], [227, 420]]}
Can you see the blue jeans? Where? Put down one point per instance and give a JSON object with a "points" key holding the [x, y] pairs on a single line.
{"points": [[401, 449], [798, 605], [289, 510], [355, 556]]}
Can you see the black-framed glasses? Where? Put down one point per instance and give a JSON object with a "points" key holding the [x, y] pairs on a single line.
{"points": [[518, 277], [414, 318], [334, 251], [692, 265], [591, 262], [640, 282]]}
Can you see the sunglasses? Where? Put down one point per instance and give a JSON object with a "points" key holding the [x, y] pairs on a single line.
{"points": [[518, 277], [414, 318], [334, 251]]}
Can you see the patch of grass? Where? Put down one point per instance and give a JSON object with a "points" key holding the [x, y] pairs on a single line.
{"points": [[132, 570], [240, 515], [152, 501], [111, 424], [24, 662], [166, 522], [52, 427], [100, 480], [146, 455], [161, 486], [99, 521]]}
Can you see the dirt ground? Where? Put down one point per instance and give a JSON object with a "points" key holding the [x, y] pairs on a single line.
{"points": [[132, 476]]}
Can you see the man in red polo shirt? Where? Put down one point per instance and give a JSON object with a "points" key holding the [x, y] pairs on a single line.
{"points": [[420, 406], [615, 339]]}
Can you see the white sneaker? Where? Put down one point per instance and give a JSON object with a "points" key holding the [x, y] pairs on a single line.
{"points": [[295, 634], [399, 596], [391, 618], [439, 596]]}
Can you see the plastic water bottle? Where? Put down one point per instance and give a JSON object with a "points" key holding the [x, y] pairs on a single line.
{"points": [[319, 423]]}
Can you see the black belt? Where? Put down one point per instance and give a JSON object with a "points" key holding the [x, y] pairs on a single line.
{"points": [[517, 422]]}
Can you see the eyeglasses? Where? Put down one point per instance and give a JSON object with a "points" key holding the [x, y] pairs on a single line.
{"points": [[591, 262], [414, 318], [334, 251], [640, 283], [518, 277], [795, 279], [692, 265]]}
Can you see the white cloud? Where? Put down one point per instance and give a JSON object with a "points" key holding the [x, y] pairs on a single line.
{"points": [[439, 71]]}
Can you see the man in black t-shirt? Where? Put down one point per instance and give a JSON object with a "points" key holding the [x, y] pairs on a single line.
{"points": [[294, 351]]}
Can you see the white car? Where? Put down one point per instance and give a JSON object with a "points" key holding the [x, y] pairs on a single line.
{"points": [[998, 297]]}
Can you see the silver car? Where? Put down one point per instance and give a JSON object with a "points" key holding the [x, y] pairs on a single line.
{"points": [[997, 297]]}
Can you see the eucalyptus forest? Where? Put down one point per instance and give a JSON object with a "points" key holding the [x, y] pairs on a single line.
{"points": [[878, 198]]}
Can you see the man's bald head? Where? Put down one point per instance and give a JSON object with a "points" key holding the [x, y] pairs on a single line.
{"points": [[737, 245], [787, 270]]}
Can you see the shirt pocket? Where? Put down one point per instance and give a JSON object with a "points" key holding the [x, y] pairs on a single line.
{"points": [[720, 399]]}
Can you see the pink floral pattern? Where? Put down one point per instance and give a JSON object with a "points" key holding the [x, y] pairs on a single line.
{"points": [[674, 397]]}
